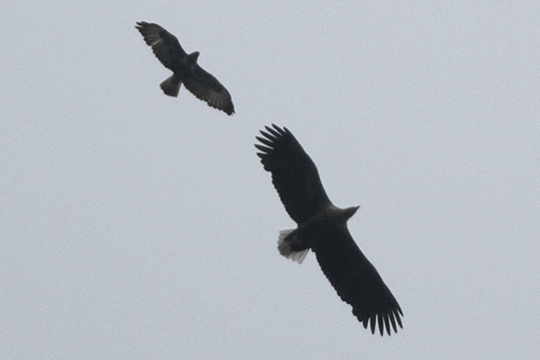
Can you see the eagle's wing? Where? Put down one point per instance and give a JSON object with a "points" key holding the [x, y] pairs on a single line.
{"points": [[164, 44], [356, 280], [294, 174], [206, 87]]}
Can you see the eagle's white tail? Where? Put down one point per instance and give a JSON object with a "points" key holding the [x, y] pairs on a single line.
{"points": [[285, 248], [171, 86]]}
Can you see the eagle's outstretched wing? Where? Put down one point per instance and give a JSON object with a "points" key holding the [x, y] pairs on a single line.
{"points": [[164, 44], [206, 87], [294, 174], [356, 280]]}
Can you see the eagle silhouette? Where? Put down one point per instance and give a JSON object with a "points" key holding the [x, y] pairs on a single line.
{"points": [[322, 227], [185, 69]]}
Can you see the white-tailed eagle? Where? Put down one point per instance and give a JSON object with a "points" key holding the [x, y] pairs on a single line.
{"points": [[322, 227], [185, 69]]}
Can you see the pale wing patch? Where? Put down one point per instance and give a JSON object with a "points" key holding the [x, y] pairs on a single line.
{"points": [[215, 99]]}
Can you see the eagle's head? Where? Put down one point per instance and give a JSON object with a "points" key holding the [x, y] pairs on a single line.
{"points": [[349, 212]]}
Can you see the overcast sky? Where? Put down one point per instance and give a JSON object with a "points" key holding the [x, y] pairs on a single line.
{"points": [[139, 226]]}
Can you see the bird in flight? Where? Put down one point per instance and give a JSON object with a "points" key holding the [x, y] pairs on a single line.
{"points": [[322, 227], [185, 69]]}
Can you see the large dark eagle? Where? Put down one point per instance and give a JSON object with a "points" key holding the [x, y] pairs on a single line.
{"points": [[185, 69], [322, 227]]}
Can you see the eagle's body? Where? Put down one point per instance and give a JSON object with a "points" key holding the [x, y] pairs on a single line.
{"points": [[322, 227], [185, 69]]}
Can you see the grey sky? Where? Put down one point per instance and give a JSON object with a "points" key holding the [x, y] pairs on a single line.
{"points": [[138, 226]]}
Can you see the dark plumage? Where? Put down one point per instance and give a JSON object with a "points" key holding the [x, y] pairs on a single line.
{"points": [[185, 69], [322, 227]]}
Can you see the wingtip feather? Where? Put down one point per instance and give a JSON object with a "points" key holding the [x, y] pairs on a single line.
{"points": [[275, 133]]}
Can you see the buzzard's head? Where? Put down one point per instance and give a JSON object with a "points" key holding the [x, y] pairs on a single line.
{"points": [[192, 58]]}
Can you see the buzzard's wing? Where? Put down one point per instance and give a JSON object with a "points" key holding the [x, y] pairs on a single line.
{"points": [[294, 174], [207, 88], [356, 280], [164, 44]]}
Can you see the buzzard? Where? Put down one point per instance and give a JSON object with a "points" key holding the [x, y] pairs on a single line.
{"points": [[185, 69], [322, 227]]}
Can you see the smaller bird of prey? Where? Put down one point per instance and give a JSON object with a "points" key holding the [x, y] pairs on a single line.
{"points": [[322, 227], [185, 69]]}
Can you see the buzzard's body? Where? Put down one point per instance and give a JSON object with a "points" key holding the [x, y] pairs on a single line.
{"points": [[322, 227], [185, 69]]}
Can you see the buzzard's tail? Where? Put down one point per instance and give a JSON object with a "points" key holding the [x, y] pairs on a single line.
{"points": [[284, 248], [171, 86]]}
